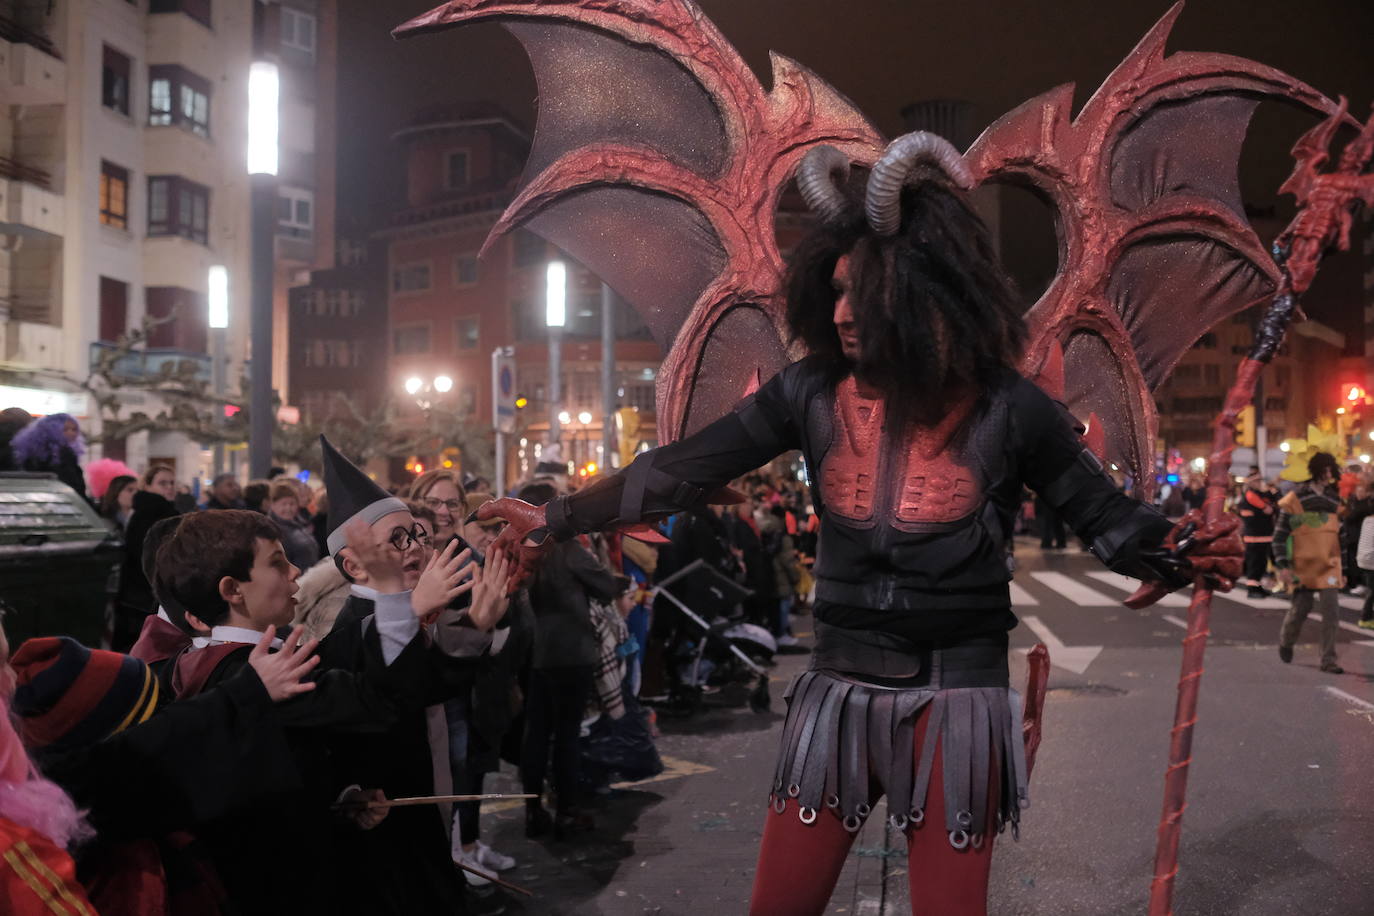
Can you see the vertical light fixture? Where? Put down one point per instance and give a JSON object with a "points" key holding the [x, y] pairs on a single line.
{"points": [[555, 316], [264, 99], [218, 296]]}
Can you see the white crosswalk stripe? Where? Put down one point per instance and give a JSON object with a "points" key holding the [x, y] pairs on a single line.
{"points": [[1021, 598], [1074, 591], [1127, 584]]}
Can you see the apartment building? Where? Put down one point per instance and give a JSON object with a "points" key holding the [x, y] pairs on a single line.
{"points": [[123, 133]]}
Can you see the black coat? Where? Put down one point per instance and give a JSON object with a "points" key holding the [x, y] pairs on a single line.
{"points": [[135, 594]]}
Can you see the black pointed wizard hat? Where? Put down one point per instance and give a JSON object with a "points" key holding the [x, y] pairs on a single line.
{"points": [[352, 495]]}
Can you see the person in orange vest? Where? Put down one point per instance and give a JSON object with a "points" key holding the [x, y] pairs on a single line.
{"points": [[1257, 508]]}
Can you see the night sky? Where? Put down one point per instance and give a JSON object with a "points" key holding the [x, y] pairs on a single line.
{"points": [[881, 53]]}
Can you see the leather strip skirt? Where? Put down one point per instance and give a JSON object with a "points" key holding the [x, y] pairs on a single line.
{"points": [[851, 734]]}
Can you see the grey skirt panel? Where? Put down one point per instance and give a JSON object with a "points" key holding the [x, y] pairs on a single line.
{"points": [[846, 742]]}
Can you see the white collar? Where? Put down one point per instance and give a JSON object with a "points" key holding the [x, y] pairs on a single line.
{"points": [[362, 591], [224, 634]]}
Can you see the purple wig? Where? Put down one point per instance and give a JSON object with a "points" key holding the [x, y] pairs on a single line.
{"points": [[43, 440]]}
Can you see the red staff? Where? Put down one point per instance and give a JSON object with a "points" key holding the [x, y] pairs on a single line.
{"points": [[1325, 204]]}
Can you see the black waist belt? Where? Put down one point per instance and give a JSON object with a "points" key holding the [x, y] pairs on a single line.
{"points": [[889, 660]]}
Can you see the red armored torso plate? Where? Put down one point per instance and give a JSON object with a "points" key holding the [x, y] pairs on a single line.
{"points": [[935, 485]]}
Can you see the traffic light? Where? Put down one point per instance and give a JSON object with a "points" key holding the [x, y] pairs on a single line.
{"points": [[1352, 393], [521, 402], [1245, 426]]}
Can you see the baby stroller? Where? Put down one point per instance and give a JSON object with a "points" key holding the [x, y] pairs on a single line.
{"points": [[704, 654]]}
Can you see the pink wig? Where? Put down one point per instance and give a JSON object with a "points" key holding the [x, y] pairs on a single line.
{"points": [[100, 473], [27, 799]]}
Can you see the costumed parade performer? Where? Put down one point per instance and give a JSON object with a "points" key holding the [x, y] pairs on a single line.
{"points": [[922, 436], [900, 363]]}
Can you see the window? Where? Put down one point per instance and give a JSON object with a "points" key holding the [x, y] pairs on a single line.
{"points": [[456, 170], [411, 339], [178, 207], [1207, 341], [199, 10], [114, 195], [467, 333], [114, 81], [295, 212], [177, 96], [187, 328], [465, 270], [333, 354], [114, 309], [410, 278], [297, 30], [1212, 374]]}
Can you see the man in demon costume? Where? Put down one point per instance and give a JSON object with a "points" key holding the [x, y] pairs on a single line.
{"points": [[920, 434]]}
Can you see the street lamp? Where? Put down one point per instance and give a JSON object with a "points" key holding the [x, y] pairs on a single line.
{"points": [[443, 384], [217, 317], [413, 385], [564, 417], [264, 91], [555, 316]]}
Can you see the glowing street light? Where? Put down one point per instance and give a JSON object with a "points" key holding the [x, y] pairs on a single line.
{"points": [[264, 92], [217, 296], [556, 295], [443, 384], [564, 417], [584, 417], [1285, 447], [413, 385]]}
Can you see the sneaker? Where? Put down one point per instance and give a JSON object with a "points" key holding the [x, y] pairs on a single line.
{"points": [[1366, 624], [493, 860], [1333, 668], [1285, 654], [470, 861], [787, 639]]}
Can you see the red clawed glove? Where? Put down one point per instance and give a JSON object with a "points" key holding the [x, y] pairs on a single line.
{"points": [[525, 537], [1194, 548]]}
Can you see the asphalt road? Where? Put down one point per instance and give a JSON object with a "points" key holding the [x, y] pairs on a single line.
{"points": [[1280, 818]]}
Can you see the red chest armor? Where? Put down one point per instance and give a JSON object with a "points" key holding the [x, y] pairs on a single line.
{"points": [[919, 480]]}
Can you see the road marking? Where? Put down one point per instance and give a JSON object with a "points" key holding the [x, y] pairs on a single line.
{"points": [[1020, 597], [1070, 658], [1351, 602], [1176, 621], [1127, 584], [1350, 698], [1238, 595], [1074, 591]]}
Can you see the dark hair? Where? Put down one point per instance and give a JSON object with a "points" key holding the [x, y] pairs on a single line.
{"points": [[537, 494], [938, 318], [419, 510], [109, 503], [152, 472], [206, 547], [255, 494], [221, 478], [1322, 462], [161, 531]]}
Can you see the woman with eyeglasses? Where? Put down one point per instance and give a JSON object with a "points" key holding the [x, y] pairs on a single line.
{"points": [[441, 491]]}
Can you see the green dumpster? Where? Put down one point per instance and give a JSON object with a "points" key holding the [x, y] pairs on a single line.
{"points": [[57, 561]]}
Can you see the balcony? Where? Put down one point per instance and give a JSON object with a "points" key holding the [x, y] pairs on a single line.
{"points": [[31, 73], [153, 364], [27, 205]]}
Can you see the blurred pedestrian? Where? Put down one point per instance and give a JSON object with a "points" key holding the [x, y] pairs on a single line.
{"points": [[1257, 507], [1307, 552], [12, 420], [442, 492], [297, 532], [1052, 533], [255, 495], [1361, 515], [225, 493], [117, 504], [52, 444], [135, 601]]}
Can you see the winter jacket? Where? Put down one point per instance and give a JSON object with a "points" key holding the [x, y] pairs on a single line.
{"points": [[134, 591], [297, 539], [1307, 538], [322, 591], [563, 633]]}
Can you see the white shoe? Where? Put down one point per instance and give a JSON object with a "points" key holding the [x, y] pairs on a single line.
{"points": [[493, 860], [787, 639], [470, 859]]}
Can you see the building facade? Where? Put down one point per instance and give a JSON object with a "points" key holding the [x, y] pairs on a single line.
{"points": [[123, 133]]}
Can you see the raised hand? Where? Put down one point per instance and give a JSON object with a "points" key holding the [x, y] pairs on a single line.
{"points": [[525, 537], [283, 673], [490, 598], [448, 575], [361, 806]]}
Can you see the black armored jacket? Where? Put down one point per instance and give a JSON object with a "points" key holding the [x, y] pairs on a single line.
{"points": [[914, 524]]}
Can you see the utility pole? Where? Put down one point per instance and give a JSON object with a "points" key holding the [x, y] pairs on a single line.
{"points": [[607, 376]]}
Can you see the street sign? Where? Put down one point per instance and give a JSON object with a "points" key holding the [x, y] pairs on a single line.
{"points": [[503, 389]]}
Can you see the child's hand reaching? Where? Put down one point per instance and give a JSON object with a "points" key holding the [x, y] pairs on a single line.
{"points": [[448, 575], [489, 598]]}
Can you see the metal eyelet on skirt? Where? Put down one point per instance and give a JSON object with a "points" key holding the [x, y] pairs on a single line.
{"points": [[1015, 831], [832, 801], [852, 823], [793, 790], [977, 841], [1023, 800], [964, 819], [958, 838], [779, 805], [807, 815], [862, 809], [898, 821], [918, 816]]}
